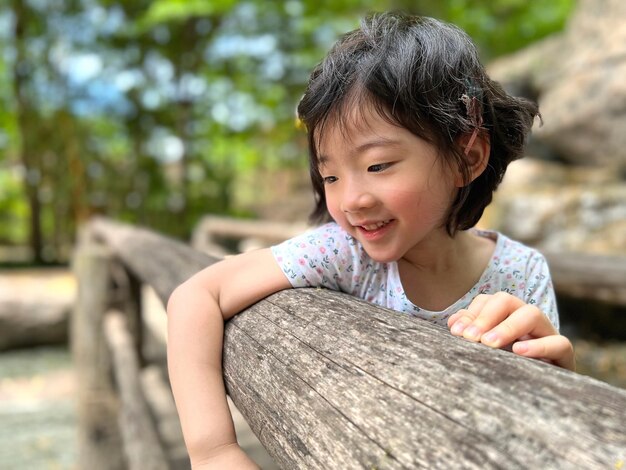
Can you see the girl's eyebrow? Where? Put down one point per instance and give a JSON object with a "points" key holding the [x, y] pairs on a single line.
{"points": [[364, 147], [376, 142]]}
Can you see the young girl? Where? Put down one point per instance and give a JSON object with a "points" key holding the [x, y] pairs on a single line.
{"points": [[408, 139]]}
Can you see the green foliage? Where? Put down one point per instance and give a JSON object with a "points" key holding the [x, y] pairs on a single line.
{"points": [[166, 11], [185, 100], [13, 210], [507, 25]]}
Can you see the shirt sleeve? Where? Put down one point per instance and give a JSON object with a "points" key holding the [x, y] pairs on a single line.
{"points": [[322, 257], [539, 290]]}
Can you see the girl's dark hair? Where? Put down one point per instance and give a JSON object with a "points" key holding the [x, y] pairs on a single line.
{"points": [[424, 75]]}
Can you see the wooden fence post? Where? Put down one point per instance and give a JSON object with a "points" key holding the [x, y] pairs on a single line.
{"points": [[99, 443], [142, 447]]}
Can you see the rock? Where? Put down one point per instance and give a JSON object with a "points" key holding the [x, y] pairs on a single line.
{"points": [[561, 208], [578, 79]]}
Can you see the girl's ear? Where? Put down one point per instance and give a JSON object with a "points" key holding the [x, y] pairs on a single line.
{"points": [[476, 149]]}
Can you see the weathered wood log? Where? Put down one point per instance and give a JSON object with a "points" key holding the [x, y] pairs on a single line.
{"points": [[329, 381], [99, 442], [156, 260], [31, 322], [240, 228], [588, 276], [213, 227], [141, 443], [333, 382], [35, 307]]}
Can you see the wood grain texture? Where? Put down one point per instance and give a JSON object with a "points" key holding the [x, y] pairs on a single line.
{"points": [[329, 381]]}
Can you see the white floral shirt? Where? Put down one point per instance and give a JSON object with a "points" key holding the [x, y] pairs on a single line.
{"points": [[327, 256]]}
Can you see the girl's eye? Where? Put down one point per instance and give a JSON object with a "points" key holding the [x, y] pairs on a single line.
{"points": [[378, 167], [329, 179]]}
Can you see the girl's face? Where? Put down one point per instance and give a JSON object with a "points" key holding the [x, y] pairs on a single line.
{"points": [[385, 186]]}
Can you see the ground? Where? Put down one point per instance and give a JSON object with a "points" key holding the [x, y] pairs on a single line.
{"points": [[37, 415]]}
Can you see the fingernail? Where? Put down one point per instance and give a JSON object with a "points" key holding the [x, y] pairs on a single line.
{"points": [[489, 338], [521, 347], [457, 328], [472, 332]]}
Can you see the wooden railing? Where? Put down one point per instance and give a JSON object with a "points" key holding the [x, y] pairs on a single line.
{"points": [[329, 381]]}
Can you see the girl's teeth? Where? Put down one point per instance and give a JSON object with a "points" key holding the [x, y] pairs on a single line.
{"points": [[375, 226]]}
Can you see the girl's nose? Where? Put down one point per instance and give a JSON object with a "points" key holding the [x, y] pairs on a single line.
{"points": [[357, 198]]}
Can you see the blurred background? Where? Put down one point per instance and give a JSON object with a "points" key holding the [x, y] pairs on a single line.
{"points": [[158, 113]]}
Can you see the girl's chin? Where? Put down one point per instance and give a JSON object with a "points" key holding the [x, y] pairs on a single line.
{"points": [[381, 257]]}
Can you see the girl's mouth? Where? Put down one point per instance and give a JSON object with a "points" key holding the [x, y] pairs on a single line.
{"points": [[375, 231]]}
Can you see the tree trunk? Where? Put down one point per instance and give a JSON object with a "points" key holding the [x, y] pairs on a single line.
{"points": [[21, 71]]}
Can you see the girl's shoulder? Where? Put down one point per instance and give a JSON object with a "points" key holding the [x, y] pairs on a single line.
{"points": [[509, 251]]}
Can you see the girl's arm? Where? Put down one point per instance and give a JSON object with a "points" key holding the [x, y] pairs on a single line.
{"points": [[196, 312], [501, 319]]}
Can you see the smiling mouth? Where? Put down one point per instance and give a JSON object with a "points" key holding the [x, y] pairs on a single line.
{"points": [[376, 226]]}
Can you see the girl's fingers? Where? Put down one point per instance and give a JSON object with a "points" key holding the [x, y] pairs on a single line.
{"points": [[484, 313], [465, 317], [501, 319], [526, 320], [555, 348]]}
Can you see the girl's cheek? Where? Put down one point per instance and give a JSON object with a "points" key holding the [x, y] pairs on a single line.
{"points": [[338, 217], [333, 209]]}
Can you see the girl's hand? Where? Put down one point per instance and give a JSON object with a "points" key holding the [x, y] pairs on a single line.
{"points": [[501, 319]]}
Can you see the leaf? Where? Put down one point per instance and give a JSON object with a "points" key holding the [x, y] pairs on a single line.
{"points": [[166, 11]]}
